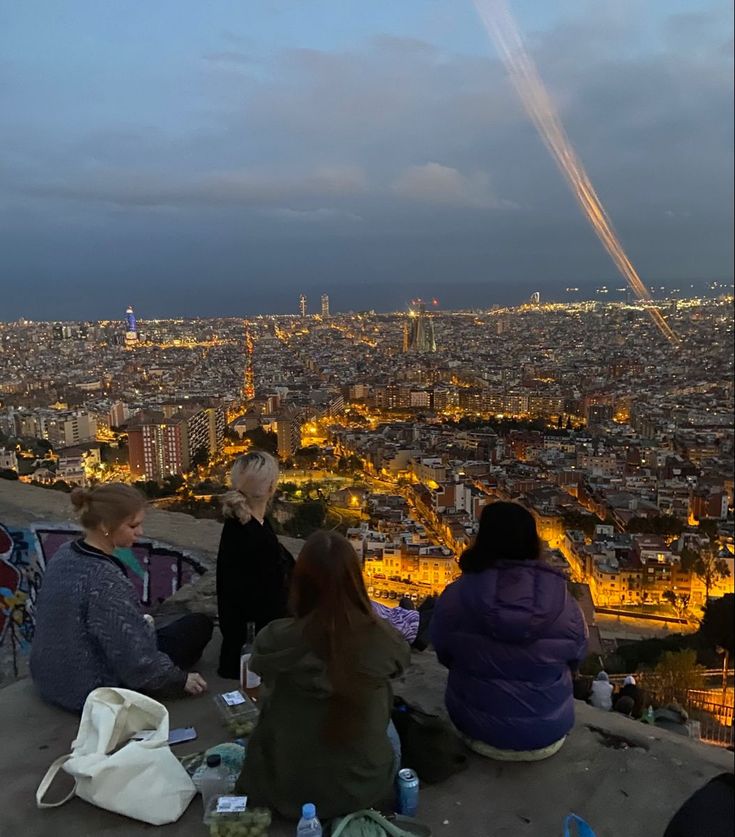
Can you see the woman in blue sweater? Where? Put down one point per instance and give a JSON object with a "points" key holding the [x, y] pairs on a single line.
{"points": [[90, 628]]}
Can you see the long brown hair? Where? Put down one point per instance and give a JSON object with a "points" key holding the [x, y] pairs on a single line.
{"points": [[328, 593]]}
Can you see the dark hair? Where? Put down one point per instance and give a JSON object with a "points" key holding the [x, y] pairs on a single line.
{"points": [[507, 533], [328, 593]]}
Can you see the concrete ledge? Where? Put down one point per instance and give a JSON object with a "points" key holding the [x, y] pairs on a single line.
{"points": [[632, 791]]}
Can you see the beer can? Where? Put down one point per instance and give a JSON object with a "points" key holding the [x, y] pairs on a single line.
{"points": [[407, 792]]}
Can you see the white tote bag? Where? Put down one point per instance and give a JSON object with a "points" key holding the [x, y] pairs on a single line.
{"points": [[139, 779]]}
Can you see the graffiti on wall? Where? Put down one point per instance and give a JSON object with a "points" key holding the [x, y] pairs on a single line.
{"points": [[156, 570]]}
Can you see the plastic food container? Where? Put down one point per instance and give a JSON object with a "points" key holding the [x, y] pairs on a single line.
{"points": [[229, 816], [238, 712]]}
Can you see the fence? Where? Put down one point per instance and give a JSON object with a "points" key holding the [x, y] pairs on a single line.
{"points": [[714, 716], [711, 716]]}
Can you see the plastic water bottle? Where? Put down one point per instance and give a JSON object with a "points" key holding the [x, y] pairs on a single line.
{"points": [[309, 825], [215, 780], [649, 716], [249, 680]]}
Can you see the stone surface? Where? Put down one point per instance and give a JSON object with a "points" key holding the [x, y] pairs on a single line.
{"points": [[631, 790]]}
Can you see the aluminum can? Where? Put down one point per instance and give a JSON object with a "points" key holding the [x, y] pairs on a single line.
{"points": [[407, 787]]}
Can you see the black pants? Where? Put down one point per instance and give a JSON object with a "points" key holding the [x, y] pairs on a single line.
{"points": [[709, 812], [185, 638]]}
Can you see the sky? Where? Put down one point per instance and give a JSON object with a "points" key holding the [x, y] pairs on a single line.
{"points": [[218, 157]]}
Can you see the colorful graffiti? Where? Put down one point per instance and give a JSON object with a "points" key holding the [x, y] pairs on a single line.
{"points": [[156, 570]]}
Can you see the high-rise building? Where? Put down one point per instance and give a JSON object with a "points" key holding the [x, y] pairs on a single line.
{"points": [[302, 305], [421, 331], [161, 445], [288, 430], [325, 306], [119, 414], [131, 327], [535, 298], [68, 428]]}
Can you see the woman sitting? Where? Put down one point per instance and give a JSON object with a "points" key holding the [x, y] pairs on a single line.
{"points": [[326, 698], [601, 695], [90, 629], [253, 568], [511, 636]]}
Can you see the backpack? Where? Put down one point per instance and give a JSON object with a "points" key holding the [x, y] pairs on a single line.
{"points": [[370, 823], [429, 744]]}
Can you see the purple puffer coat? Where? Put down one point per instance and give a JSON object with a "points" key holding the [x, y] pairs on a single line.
{"points": [[510, 636]]}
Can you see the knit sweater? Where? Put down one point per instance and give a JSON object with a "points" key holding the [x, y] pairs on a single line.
{"points": [[90, 632]]}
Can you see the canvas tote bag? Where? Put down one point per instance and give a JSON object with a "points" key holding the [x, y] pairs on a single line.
{"points": [[139, 779]]}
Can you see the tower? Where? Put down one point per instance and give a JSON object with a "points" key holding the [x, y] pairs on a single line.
{"points": [[325, 306], [421, 337], [302, 305], [131, 327], [248, 389], [535, 298]]}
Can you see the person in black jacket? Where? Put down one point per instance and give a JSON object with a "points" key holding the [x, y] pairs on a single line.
{"points": [[253, 568], [632, 690]]}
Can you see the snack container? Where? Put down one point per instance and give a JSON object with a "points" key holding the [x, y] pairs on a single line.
{"points": [[229, 816], [239, 713]]}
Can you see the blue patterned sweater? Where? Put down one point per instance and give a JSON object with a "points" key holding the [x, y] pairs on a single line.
{"points": [[90, 632]]}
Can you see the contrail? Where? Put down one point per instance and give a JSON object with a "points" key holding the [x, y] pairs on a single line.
{"points": [[504, 32]]}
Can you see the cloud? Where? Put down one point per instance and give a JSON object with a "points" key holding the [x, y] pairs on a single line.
{"points": [[313, 216], [243, 187], [228, 59], [441, 185], [381, 129]]}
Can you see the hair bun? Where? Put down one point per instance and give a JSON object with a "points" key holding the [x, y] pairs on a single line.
{"points": [[79, 497]]}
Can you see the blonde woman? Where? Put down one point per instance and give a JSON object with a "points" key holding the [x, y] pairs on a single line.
{"points": [[253, 569], [90, 628]]}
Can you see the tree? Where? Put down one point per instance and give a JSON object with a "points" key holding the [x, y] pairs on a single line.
{"points": [[8, 474], [710, 569], [688, 559], [718, 624], [680, 603], [200, 458], [659, 525], [263, 440], [582, 522], [677, 672]]}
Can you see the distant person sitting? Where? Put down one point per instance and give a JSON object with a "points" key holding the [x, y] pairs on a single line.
{"points": [[602, 691], [624, 706], [404, 619], [253, 567], [631, 689], [323, 734], [90, 627], [511, 635]]}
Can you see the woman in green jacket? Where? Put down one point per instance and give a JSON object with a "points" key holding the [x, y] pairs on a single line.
{"points": [[326, 697]]}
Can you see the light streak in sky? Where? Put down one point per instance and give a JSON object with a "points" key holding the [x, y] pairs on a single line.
{"points": [[504, 32]]}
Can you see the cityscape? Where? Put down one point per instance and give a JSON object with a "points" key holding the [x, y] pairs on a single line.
{"points": [[464, 272], [397, 428]]}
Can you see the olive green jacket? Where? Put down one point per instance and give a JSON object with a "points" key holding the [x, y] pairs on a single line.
{"points": [[288, 761]]}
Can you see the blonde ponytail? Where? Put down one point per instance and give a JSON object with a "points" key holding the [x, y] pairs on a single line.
{"points": [[253, 477]]}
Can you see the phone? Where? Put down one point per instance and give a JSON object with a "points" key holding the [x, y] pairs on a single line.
{"points": [[178, 736]]}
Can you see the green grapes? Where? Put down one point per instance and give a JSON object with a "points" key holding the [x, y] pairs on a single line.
{"points": [[253, 823]]}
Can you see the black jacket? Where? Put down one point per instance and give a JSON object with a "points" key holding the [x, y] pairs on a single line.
{"points": [[253, 575]]}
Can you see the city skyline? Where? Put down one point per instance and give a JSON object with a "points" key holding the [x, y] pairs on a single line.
{"points": [[248, 156]]}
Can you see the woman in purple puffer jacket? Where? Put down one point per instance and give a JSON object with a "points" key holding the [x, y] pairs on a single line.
{"points": [[511, 636]]}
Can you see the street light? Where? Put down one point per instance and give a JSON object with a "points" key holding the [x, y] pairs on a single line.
{"points": [[725, 658]]}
